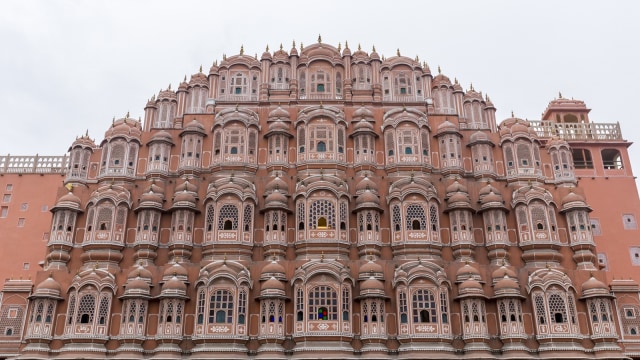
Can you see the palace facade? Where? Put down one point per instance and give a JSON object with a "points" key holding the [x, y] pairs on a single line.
{"points": [[328, 203]]}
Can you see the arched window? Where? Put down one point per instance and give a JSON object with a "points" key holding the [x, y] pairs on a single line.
{"points": [[423, 304], [228, 217], [611, 159], [322, 147], [221, 307], [416, 217], [323, 303]]}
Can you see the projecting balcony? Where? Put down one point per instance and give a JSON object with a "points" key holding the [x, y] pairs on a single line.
{"points": [[577, 131], [279, 86]]}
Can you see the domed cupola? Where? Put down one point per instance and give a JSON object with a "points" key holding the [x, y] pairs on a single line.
{"points": [[174, 288], [362, 113], [49, 288], [152, 198], [276, 200], [573, 201], [594, 288], [193, 127], [161, 136], [480, 137], [176, 270], [68, 201], [84, 142], [447, 127], [273, 270], [279, 114], [277, 183], [126, 127], [137, 288], [507, 287], [272, 288], [467, 272], [185, 196]]}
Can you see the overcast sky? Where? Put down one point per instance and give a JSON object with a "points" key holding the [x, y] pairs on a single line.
{"points": [[71, 66]]}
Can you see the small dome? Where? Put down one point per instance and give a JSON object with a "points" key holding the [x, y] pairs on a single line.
{"points": [[278, 126], [502, 272], [161, 136], [176, 270], [174, 285], [273, 284], [193, 127], [277, 183], [276, 198], [48, 287], [124, 127], [479, 137], [572, 197], [167, 94], [593, 284], [139, 271], [441, 79], [466, 272], [506, 283], [491, 197], [517, 128], [370, 267], [273, 268], [138, 285], [447, 126], [573, 201], [68, 201], [363, 125], [469, 285], [279, 113], [186, 186], [485, 190], [371, 284], [184, 198], [367, 198], [456, 186], [458, 197], [84, 142], [362, 113], [366, 183], [151, 199]]}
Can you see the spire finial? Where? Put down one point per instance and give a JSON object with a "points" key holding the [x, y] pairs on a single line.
{"points": [[200, 67], [346, 44], [559, 95], [398, 51], [185, 78], [339, 47], [169, 87], [322, 257], [471, 87], [319, 39], [267, 48], [224, 57], [241, 49], [293, 44], [439, 70], [373, 49], [127, 115], [359, 47], [512, 115], [301, 46], [280, 46]]}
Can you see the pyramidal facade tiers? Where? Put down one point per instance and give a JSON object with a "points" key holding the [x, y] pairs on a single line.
{"points": [[324, 202]]}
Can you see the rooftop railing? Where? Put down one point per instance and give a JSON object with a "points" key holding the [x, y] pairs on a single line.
{"points": [[577, 131], [35, 164]]}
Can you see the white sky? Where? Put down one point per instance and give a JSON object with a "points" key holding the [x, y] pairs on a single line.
{"points": [[69, 66]]}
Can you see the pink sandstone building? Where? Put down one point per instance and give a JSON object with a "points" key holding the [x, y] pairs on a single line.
{"points": [[324, 203]]}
